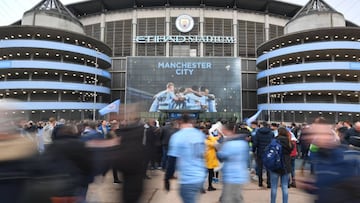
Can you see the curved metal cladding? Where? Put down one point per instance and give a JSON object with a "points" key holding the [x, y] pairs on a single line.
{"points": [[310, 74], [53, 73]]}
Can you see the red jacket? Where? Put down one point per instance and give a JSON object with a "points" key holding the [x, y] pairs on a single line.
{"points": [[294, 150]]}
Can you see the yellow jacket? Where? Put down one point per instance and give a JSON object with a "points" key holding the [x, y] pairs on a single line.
{"points": [[211, 160]]}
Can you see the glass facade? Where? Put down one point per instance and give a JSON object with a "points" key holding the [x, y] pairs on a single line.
{"points": [[205, 84], [249, 35]]}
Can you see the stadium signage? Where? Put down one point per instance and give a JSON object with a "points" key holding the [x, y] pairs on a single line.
{"points": [[185, 38], [184, 68], [184, 23]]}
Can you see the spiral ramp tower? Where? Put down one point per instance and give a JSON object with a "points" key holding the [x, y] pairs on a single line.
{"points": [[313, 70], [51, 68]]}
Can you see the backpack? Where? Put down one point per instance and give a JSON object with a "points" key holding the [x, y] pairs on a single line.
{"points": [[272, 158]]}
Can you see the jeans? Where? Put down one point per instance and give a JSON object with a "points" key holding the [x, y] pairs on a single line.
{"points": [[274, 179], [190, 192], [164, 157], [293, 168]]}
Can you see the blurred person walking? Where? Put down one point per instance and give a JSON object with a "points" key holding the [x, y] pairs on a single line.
{"points": [[187, 148], [234, 154], [336, 166], [16, 156], [63, 171]]}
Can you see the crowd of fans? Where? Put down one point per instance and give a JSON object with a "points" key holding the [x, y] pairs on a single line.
{"points": [[42, 161]]}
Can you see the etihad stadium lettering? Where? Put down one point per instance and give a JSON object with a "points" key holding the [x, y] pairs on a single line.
{"points": [[181, 39]]}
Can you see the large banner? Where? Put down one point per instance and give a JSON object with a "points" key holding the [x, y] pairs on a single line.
{"points": [[179, 83]]}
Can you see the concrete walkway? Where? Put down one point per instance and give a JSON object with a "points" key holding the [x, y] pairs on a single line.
{"points": [[104, 191]]}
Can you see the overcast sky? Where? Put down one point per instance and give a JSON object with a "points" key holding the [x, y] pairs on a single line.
{"points": [[12, 10]]}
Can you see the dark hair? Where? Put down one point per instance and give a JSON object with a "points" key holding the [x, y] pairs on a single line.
{"points": [[264, 124], [284, 132], [321, 120], [185, 118], [274, 125], [229, 125]]}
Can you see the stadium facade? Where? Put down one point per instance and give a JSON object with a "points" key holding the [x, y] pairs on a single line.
{"points": [[51, 68], [144, 30], [313, 69], [207, 45]]}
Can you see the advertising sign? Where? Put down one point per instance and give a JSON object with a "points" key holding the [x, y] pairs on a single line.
{"points": [[183, 83]]}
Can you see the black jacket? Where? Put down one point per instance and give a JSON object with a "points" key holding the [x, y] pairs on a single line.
{"points": [[165, 134], [262, 139], [352, 136]]}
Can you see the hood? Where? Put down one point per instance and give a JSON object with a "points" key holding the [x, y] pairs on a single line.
{"points": [[264, 130]]}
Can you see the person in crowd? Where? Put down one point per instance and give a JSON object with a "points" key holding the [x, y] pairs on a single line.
{"points": [[125, 153], [58, 124], [262, 138], [234, 154], [274, 127], [347, 124], [252, 159], [90, 132], [353, 134], [48, 130], [210, 157], [149, 139], [166, 132], [40, 137], [104, 128], [293, 156], [283, 173], [114, 125], [187, 148]]}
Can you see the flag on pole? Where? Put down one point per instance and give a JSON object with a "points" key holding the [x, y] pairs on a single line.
{"points": [[113, 107], [253, 118]]}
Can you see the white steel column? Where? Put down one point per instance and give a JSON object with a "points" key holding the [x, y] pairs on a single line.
{"points": [[102, 27], [134, 24], [267, 27], [235, 32], [167, 30], [201, 25]]}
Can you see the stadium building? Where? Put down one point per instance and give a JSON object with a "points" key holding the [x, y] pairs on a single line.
{"points": [[145, 35], [206, 48], [313, 69], [51, 67]]}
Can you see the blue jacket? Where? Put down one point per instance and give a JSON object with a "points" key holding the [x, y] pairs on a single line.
{"points": [[235, 155]]}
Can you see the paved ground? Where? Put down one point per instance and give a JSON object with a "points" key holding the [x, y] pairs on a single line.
{"points": [[104, 191]]}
